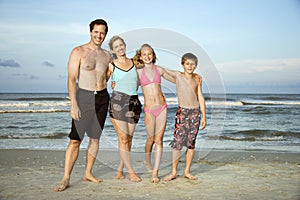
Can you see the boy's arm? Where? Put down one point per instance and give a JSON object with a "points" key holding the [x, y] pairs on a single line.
{"points": [[167, 74], [201, 102]]}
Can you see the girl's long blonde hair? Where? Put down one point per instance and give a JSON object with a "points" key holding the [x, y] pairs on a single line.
{"points": [[137, 57]]}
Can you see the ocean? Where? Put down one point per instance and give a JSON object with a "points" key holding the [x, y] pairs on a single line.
{"points": [[234, 122]]}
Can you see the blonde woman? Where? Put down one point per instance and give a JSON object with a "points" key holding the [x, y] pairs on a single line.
{"points": [[125, 107]]}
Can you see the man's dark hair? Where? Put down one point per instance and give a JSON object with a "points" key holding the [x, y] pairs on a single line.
{"points": [[98, 22]]}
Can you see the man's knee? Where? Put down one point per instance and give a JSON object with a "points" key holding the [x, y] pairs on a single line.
{"points": [[75, 143]]}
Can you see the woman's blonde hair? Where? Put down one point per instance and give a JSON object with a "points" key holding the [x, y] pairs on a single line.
{"points": [[113, 39]]}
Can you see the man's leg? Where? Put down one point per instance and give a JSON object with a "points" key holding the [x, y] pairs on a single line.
{"points": [[91, 155], [72, 153]]}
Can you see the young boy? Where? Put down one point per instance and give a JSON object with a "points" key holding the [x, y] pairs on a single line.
{"points": [[191, 105]]}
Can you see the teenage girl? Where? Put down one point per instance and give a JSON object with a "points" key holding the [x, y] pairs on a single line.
{"points": [[155, 106]]}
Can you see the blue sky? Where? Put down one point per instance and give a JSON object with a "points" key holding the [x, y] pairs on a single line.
{"points": [[253, 44]]}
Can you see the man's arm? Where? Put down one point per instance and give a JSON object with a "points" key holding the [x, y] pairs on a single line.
{"points": [[110, 70], [201, 102], [73, 69]]}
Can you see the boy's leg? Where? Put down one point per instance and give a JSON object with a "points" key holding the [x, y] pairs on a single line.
{"points": [[175, 161], [189, 159]]}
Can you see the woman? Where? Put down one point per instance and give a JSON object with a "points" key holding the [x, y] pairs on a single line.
{"points": [[125, 107]]}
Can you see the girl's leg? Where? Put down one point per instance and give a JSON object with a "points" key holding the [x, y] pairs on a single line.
{"points": [[161, 121], [149, 121]]}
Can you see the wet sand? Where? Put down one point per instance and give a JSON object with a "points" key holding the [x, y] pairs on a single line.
{"points": [[32, 174]]}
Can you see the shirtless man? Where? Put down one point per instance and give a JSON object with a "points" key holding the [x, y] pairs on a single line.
{"points": [[191, 105], [87, 78]]}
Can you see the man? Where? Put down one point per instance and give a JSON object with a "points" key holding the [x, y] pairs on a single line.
{"points": [[87, 79]]}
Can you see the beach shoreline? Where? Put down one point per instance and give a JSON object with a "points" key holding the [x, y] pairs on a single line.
{"points": [[223, 174]]}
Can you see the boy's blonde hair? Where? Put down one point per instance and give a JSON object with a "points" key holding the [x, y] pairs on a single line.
{"points": [[189, 56]]}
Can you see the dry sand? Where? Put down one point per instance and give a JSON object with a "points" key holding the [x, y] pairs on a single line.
{"points": [[32, 174]]}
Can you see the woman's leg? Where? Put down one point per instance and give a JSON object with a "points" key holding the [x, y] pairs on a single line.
{"points": [[124, 144]]}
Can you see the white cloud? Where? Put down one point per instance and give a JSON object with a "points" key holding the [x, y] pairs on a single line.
{"points": [[30, 28], [262, 74], [254, 66]]}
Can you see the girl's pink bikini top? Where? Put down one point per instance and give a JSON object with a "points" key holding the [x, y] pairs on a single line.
{"points": [[144, 80]]}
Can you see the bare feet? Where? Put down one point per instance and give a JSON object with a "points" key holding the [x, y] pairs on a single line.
{"points": [[63, 185], [155, 180], [120, 175], [133, 177], [91, 178], [170, 177], [189, 176], [149, 166]]}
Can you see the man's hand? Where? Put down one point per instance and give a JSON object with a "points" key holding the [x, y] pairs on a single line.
{"points": [[113, 84], [75, 112]]}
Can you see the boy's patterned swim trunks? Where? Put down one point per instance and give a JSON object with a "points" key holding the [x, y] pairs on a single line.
{"points": [[187, 124]]}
